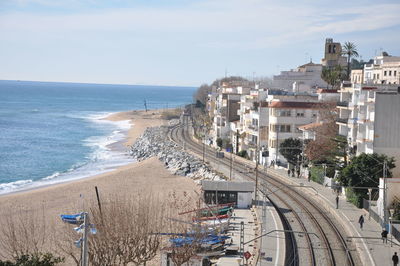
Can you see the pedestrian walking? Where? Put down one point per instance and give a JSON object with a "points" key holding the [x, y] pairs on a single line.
{"points": [[309, 176], [395, 259], [288, 172], [337, 201], [361, 221], [298, 172], [384, 235]]}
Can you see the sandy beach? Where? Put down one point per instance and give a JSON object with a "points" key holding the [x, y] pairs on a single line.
{"points": [[148, 176]]}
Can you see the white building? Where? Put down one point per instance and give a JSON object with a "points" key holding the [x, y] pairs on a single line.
{"points": [[305, 78], [384, 70], [226, 110], [286, 114], [370, 119]]}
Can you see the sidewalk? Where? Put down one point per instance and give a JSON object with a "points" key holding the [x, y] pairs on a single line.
{"points": [[368, 242]]}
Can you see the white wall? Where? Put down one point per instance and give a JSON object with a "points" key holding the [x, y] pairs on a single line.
{"points": [[244, 200]]}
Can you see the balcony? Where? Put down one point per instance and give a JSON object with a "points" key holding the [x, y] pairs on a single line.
{"points": [[342, 120], [253, 127], [343, 104]]}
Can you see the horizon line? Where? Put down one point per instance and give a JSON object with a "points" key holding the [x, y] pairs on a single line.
{"points": [[94, 83]]}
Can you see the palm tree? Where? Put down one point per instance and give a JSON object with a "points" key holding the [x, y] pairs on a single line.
{"points": [[350, 50]]}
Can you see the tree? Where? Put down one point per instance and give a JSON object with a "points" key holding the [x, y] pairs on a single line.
{"points": [[24, 233], [350, 50], [333, 76], [125, 231], [364, 171], [324, 146], [291, 149], [201, 94]]}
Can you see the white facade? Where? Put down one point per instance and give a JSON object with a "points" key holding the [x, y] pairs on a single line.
{"points": [[393, 188], [226, 110], [384, 70], [305, 78], [370, 119], [286, 115]]}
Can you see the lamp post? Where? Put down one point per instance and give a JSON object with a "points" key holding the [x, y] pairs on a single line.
{"points": [[391, 213], [369, 203]]}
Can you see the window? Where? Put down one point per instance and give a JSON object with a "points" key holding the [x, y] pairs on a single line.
{"points": [[280, 128], [283, 112], [300, 113], [385, 73], [390, 73], [284, 128], [374, 76], [272, 143], [394, 73], [377, 76]]}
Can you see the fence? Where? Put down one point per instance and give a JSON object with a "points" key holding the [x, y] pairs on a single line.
{"points": [[395, 232], [374, 215]]}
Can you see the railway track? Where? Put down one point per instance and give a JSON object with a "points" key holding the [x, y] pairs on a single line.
{"points": [[297, 211]]}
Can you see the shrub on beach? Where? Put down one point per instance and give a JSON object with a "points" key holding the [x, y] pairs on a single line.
{"points": [[171, 114]]}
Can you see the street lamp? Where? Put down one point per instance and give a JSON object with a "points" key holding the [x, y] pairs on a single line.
{"points": [[391, 213]]}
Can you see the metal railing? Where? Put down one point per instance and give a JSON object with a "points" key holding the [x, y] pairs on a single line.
{"points": [[395, 233], [343, 104]]}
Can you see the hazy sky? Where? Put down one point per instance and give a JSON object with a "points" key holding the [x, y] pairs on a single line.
{"points": [[182, 42]]}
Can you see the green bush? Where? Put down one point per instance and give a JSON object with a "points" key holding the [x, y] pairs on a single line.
{"points": [[219, 142], [37, 259], [317, 174], [243, 154], [355, 198]]}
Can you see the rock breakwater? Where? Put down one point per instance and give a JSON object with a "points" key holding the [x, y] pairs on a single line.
{"points": [[155, 142]]}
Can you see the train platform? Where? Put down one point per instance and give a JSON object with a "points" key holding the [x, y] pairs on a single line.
{"points": [[368, 239]]}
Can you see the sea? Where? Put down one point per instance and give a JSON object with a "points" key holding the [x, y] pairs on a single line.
{"points": [[52, 132]]}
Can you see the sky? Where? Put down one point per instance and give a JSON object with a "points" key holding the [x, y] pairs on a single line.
{"points": [[183, 42]]}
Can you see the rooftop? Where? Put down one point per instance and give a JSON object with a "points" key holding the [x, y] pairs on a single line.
{"points": [[227, 186]]}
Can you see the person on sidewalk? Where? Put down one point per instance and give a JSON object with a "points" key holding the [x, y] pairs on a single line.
{"points": [[395, 259], [384, 235], [361, 221], [337, 201], [288, 172]]}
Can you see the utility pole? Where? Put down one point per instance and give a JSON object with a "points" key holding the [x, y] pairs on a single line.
{"points": [[257, 155], [385, 216], [85, 248], [204, 149], [277, 127], [369, 203], [231, 166]]}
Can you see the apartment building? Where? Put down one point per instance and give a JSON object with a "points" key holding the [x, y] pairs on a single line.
{"points": [[305, 78], [286, 114], [369, 118], [227, 103], [384, 70]]}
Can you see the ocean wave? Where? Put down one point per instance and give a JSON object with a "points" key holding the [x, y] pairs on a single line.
{"points": [[52, 176], [12, 186], [101, 158]]}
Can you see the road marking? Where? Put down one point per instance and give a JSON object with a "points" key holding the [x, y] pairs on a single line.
{"points": [[271, 210]]}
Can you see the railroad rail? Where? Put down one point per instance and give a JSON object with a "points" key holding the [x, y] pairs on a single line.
{"points": [[304, 213]]}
